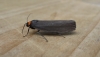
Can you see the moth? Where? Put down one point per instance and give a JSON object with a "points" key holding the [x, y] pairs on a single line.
{"points": [[58, 26]]}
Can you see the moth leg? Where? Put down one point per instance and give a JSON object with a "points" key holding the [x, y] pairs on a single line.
{"points": [[61, 35], [42, 36]]}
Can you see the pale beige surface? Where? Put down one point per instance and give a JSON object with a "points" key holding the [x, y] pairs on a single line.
{"points": [[84, 42]]}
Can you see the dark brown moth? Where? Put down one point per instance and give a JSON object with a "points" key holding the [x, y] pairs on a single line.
{"points": [[58, 26]]}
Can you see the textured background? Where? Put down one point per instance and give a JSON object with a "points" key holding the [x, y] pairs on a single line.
{"points": [[84, 42]]}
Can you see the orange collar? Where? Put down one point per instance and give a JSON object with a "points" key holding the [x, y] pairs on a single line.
{"points": [[29, 23]]}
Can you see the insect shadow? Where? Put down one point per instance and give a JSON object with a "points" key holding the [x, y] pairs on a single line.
{"points": [[43, 33], [56, 33]]}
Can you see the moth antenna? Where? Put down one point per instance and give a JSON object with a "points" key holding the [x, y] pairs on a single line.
{"points": [[27, 32], [28, 16]]}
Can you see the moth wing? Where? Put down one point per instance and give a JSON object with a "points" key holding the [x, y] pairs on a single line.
{"points": [[56, 26]]}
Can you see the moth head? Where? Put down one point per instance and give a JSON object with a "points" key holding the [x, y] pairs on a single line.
{"points": [[28, 23]]}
